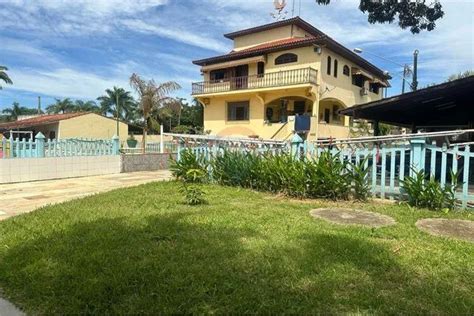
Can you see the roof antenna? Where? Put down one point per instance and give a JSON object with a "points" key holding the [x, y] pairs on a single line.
{"points": [[279, 7]]}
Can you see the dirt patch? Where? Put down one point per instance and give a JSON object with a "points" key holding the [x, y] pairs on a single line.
{"points": [[454, 228], [347, 216]]}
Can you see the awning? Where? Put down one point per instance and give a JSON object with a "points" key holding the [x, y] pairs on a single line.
{"points": [[359, 72], [381, 83], [234, 63], [441, 107]]}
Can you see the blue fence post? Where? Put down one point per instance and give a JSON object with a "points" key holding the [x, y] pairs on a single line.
{"points": [[296, 142], [115, 145], [418, 150], [39, 139]]}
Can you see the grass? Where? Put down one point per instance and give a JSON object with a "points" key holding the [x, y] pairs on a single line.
{"points": [[141, 250]]}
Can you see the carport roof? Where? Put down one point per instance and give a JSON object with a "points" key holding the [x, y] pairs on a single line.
{"points": [[447, 105]]}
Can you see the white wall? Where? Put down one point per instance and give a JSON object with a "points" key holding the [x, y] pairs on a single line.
{"points": [[33, 169]]}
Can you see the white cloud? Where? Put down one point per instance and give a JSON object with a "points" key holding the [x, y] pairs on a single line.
{"points": [[179, 35]]}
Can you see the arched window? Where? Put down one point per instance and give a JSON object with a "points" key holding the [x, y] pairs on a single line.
{"points": [[335, 68], [286, 58], [329, 66], [346, 71]]}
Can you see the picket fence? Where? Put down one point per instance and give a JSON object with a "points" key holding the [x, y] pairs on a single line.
{"points": [[152, 148], [40, 148], [388, 164]]}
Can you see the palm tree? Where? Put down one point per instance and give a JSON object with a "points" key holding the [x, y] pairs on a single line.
{"points": [[152, 96], [17, 110], [4, 76], [86, 106], [61, 106], [126, 104]]}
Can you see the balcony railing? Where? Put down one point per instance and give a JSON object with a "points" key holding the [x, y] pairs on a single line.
{"points": [[268, 80]]}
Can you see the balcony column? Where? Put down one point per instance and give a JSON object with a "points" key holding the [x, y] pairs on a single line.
{"points": [[315, 115]]}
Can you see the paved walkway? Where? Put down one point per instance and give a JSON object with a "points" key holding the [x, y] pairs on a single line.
{"points": [[25, 197]]}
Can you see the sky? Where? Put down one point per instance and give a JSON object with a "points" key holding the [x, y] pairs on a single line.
{"points": [[79, 48]]}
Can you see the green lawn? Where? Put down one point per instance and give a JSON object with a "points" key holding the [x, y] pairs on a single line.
{"points": [[140, 250]]}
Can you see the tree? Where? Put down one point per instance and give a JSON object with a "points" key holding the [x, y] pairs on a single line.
{"points": [[16, 110], [86, 106], [126, 104], [152, 96], [416, 15], [61, 106], [193, 116], [461, 75], [4, 76]]}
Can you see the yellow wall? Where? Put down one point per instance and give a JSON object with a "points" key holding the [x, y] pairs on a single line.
{"points": [[249, 40], [92, 126]]}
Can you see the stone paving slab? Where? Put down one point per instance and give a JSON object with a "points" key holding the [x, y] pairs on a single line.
{"points": [[454, 228], [19, 198], [347, 216], [8, 309]]}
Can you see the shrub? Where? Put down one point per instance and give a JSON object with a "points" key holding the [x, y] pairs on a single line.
{"points": [[328, 177], [325, 177], [188, 161], [193, 194], [360, 180], [428, 193]]}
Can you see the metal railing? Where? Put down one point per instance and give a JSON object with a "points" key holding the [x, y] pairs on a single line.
{"points": [[268, 80]]}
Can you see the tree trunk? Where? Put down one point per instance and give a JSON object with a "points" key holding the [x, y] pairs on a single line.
{"points": [[145, 130]]}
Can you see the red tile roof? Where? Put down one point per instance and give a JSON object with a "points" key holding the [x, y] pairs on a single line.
{"points": [[277, 43], [261, 49], [40, 120], [319, 38]]}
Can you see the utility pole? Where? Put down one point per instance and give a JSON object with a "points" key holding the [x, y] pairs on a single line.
{"points": [[39, 105], [117, 110], [414, 83]]}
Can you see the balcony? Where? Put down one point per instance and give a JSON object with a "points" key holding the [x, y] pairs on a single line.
{"points": [[268, 80]]}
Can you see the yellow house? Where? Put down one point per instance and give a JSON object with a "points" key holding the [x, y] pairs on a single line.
{"points": [[282, 73], [67, 125]]}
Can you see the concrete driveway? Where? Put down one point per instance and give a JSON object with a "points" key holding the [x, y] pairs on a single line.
{"points": [[19, 198]]}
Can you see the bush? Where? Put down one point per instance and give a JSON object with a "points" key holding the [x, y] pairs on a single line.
{"points": [[189, 161], [360, 180], [328, 177], [193, 194], [428, 193]]}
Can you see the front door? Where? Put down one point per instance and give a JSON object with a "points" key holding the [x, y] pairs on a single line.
{"points": [[241, 76]]}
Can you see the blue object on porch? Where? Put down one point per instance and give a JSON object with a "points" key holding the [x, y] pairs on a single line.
{"points": [[302, 123]]}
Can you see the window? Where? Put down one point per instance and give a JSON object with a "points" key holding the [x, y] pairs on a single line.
{"points": [[286, 58], [374, 88], [52, 135], [346, 71], [238, 111], [260, 69], [358, 80], [335, 68], [218, 75], [329, 66]]}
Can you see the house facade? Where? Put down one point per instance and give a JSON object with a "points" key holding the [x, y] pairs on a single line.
{"points": [[282, 77]]}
